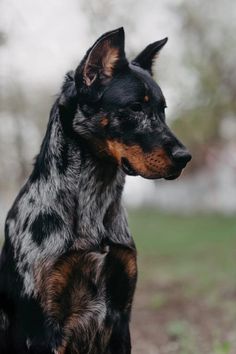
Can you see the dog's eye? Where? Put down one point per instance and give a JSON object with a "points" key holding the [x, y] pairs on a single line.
{"points": [[136, 107]]}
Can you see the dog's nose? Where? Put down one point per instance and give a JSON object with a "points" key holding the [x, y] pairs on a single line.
{"points": [[181, 157]]}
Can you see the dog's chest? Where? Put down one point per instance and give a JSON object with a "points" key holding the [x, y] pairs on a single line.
{"points": [[83, 291]]}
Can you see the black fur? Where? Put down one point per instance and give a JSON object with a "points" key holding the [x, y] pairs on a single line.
{"points": [[44, 225]]}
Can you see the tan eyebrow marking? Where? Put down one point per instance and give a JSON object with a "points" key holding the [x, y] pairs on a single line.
{"points": [[104, 121], [146, 98]]}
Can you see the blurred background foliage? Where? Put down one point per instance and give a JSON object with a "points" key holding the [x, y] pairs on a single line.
{"points": [[208, 31], [185, 229]]}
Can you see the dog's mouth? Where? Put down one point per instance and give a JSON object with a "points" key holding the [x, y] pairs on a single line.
{"points": [[173, 176], [130, 171], [127, 168]]}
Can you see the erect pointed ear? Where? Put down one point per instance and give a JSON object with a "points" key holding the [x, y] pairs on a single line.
{"points": [[101, 61], [146, 57]]}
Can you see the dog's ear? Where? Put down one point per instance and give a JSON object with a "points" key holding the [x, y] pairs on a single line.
{"points": [[101, 63], [146, 57]]}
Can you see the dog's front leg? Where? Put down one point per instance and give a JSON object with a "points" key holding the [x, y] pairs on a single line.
{"points": [[120, 342]]}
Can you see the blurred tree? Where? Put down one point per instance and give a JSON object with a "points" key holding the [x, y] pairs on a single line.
{"points": [[13, 102], [208, 34], [28, 114]]}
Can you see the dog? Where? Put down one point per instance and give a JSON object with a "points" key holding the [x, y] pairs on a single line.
{"points": [[68, 264]]}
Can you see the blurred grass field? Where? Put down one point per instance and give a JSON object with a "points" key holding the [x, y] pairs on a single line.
{"points": [[186, 296]]}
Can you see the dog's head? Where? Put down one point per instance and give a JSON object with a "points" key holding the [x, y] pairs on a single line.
{"points": [[122, 110]]}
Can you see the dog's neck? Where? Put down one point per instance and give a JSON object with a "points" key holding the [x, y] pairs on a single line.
{"points": [[86, 187]]}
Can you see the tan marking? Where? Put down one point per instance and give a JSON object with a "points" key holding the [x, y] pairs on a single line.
{"points": [[146, 164], [146, 98], [52, 279], [130, 263], [104, 121], [109, 60], [64, 288], [63, 293], [127, 257], [62, 348]]}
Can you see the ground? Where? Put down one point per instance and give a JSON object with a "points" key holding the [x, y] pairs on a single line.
{"points": [[185, 301]]}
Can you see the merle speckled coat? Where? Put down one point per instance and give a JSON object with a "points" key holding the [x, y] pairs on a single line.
{"points": [[68, 265]]}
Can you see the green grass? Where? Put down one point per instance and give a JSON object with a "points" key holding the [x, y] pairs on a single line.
{"points": [[187, 280], [199, 250]]}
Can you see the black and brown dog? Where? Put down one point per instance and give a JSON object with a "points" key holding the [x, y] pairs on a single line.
{"points": [[68, 264]]}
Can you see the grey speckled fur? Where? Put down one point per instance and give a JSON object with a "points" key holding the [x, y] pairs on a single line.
{"points": [[80, 193]]}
